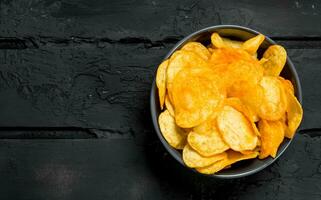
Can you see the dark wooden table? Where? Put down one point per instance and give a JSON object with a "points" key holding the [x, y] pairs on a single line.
{"points": [[75, 78]]}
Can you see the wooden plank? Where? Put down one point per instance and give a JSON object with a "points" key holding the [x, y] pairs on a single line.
{"points": [[131, 169], [154, 20], [81, 85]]}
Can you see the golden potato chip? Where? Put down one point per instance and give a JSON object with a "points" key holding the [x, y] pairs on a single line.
{"points": [[294, 114], [276, 59], [250, 94], [253, 44], [262, 61], [231, 74], [209, 142], [236, 130], [287, 85], [232, 43], [169, 106], [195, 96], [211, 50], [193, 159], [272, 135], [197, 48], [174, 135], [161, 82], [237, 104], [228, 56], [217, 41], [179, 60], [232, 157], [274, 102]]}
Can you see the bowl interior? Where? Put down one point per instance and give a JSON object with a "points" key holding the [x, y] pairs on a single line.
{"points": [[246, 167]]}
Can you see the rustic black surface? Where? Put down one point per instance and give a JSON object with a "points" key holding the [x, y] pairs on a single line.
{"points": [[75, 78]]}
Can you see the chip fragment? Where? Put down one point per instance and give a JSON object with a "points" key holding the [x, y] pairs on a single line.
{"points": [[174, 135]]}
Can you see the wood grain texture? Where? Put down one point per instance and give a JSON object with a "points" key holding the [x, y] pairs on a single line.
{"points": [[156, 19], [104, 169], [85, 86]]}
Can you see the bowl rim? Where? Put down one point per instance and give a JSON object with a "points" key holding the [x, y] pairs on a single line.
{"points": [[153, 105]]}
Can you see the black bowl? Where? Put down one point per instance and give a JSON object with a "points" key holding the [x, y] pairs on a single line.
{"points": [[246, 167]]}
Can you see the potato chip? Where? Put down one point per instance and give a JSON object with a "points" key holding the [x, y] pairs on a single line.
{"points": [[193, 159], [197, 48], [272, 134], [195, 96], [287, 85], [232, 157], [230, 74], [207, 142], [228, 56], [236, 130], [174, 135], [217, 41], [237, 104], [161, 82], [276, 59], [250, 94], [274, 102], [294, 114], [169, 106], [253, 44], [232, 43], [179, 60]]}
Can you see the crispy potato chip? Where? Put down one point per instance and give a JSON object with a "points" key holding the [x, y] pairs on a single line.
{"points": [[272, 135], [211, 50], [232, 43], [274, 101], [207, 142], [230, 74], [193, 159], [195, 96], [161, 82], [169, 106], [217, 41], [276, 59], [228, 56], [236, 130], [232, 157], [253, 44], [237, 104], [197, 48], [262, 61], [174, 135], [287, 85], [294, 114], [250, 94], [179, 60]]}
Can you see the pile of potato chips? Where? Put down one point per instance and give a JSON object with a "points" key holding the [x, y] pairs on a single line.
{"points": [[221, 104]]}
